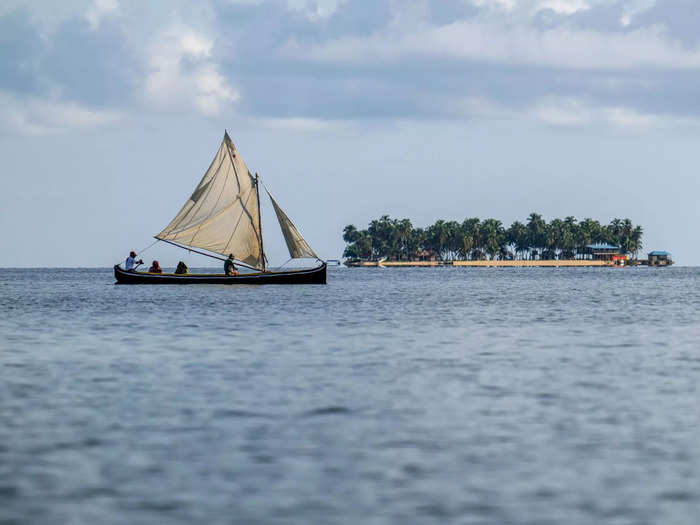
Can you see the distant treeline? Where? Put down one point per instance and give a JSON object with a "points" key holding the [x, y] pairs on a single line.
{"points": [[475, 239]]}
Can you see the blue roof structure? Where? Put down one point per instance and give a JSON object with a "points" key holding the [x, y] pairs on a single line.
{"points": [[602, 247], [657, 253]]}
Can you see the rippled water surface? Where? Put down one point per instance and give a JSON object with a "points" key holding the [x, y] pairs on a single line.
{"points": [[388, 396]]}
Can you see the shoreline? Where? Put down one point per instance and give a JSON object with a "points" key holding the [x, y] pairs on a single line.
{"points": [[498, 263]]}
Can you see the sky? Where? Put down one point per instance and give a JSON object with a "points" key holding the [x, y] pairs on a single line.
{"points": [[111, 111]]}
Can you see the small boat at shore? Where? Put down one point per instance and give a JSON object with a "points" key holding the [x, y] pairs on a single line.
{"points": [[221, 217]]}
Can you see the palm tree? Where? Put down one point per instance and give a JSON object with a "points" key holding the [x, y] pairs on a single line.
{"points": [[571, 235], [636, 240], [437, 238], [364, 245], [493, 237], [470, 237], [403, 230], [516, 237], [359, 243], [584, 234], [614, 232], [455, 241], [384, 236], [415, 242], [475, 239], [536, 230], [555, 237], [626, 228]]}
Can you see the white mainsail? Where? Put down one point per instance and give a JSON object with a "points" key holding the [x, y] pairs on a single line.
{"points": [[296, 244], [222, 215]]}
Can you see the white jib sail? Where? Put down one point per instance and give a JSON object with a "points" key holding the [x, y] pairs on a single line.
{"points": [[297, 246], [222, 214]]}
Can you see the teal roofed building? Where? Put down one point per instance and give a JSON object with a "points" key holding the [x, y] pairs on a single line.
{"points": [[660, 258], [602, 251]]}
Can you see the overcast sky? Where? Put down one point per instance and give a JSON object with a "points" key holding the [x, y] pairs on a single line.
{"points": [[111, 111]]}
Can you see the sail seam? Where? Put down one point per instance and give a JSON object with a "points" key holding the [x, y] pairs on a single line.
{"points": [[223, 187], [229, 145], [200, 202], [262, 250], [244, 209], [209, 219]]}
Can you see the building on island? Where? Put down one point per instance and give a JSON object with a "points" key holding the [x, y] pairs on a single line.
{"points": [[604, 252], [660, 258], [426, 255]]}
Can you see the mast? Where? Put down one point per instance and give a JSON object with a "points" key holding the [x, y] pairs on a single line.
{"points": [[220, 216], [262, 249]]}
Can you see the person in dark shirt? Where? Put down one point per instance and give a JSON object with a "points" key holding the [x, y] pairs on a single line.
{"points": [[229, 266], [181, 268]]}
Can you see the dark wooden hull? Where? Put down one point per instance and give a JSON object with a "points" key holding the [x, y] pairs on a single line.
{"points": [[305, 276]]}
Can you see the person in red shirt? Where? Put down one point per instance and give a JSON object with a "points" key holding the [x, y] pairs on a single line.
{"points": [[155, 268]]}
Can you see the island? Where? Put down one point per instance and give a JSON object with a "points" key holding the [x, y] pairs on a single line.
{"points": [[476, 242]]}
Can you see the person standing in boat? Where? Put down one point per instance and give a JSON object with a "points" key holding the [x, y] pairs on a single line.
{"points": [[131, 261], [229, 266]]}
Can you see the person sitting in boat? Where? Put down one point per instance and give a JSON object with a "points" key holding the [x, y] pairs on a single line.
{"points": [[229, 266], [182, 269], [131, 261], [155, 268]]}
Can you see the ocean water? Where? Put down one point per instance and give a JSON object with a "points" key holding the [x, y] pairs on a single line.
{"points": [[475, 395]]}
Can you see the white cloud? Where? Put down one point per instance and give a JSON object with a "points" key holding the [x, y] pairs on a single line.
{"points": [[299, 123], [633, 8], [35, 116], [571, 112], [565, 7], [100, 9], [563, 111], [507, 44], [508, 5], [314, 10], [580, 111], [183, 73]]}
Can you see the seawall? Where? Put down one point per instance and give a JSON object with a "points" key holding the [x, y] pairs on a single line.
{"points": [[507, 264]]}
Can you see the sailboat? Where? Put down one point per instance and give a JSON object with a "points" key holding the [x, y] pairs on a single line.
{"points": [[222, 217]]}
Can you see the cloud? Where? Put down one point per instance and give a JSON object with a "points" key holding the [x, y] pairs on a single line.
{"points": [[299, 63], [100, 9], [532, 6], [182, 73], [36, 116], [564, 6], [20, 49], [300, 124], [498, 43], [634, 8], [315, 10], [563, 111]]}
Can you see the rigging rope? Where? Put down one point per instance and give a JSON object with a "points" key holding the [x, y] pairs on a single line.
{"points": [[145, 249], [285, 262]]}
